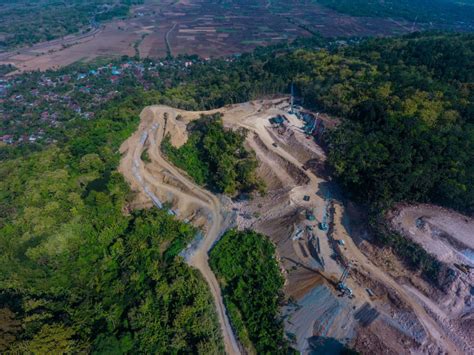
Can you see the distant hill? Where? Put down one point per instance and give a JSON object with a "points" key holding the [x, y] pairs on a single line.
{"points": [[28, 22], [436, 12]]}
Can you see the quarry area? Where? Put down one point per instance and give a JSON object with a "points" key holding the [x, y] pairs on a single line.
{"points": [[341, 288]]}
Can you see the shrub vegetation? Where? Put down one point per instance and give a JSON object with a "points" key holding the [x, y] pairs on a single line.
{"points": [[216, 157], [251, 283]]}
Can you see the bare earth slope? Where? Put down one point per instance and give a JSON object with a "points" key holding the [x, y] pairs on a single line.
{"points": [[402, 315], [446, 234], [171, 183]]}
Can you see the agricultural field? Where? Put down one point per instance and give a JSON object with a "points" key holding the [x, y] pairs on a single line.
{"points": [[206, 28]]}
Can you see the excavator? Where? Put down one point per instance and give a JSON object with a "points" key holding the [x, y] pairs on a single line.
{"points": [[341, 285]]}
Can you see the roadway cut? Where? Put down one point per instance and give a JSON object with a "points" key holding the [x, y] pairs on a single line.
{"points": [[157, 181]]}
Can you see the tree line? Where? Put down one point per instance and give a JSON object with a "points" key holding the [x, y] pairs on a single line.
{"points": [[78, 272], [245, 265]]}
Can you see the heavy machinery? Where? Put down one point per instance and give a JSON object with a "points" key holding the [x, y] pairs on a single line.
{"points": [[298, 234], [341, 285], [324, 225], [310, 127]]}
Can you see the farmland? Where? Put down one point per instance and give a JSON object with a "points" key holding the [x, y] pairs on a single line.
{"points": [[197, 27]]}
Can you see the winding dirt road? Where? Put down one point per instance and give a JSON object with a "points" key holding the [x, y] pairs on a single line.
{"points": [[434, 331], [152, 131], [159, 181]]}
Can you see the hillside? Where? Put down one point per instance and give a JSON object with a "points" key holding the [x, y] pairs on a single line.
{"points": [[85, 266], [26, 23]]}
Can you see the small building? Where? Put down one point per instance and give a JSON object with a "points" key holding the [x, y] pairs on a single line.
{"points": [[7, 138]]}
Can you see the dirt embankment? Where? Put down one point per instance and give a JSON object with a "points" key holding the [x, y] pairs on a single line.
{"points": [[449, 237], [446, 234], [287, 172], [399, 315], [160, 182]]}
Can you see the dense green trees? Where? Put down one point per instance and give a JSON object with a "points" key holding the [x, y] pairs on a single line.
{"points": [[245, 265], [402, 158], [411, 137], [25, 22], [82, 275], [216, 157], [438, 12]]}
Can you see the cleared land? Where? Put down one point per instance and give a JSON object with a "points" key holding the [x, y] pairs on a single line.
{"points": [[164, 182], [398, 307], [446, 234], [203, 27], [449, 236]]}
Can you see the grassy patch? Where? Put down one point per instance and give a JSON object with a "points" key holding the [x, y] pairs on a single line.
{"points": [[145, 157]]}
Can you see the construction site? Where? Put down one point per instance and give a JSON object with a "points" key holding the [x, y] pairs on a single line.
{"points": [[341, 289]]}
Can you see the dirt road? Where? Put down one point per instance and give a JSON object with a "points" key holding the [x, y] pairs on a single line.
{"points": [[434, 330], [169, 50], [151, 131], [257, 122], [160, 182], [446, 234]]}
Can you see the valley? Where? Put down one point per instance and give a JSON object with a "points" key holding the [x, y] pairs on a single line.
{"points": [[158, 29]]}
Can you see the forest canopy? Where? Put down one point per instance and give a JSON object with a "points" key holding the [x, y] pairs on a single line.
{"points": [[216, 157], [245, 265], [81, 275]]}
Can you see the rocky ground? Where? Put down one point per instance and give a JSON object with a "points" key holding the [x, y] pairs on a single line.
{"points": [[392, 310]]}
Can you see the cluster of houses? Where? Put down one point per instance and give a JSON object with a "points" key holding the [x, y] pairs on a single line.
{"points": [[36, 101]]}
